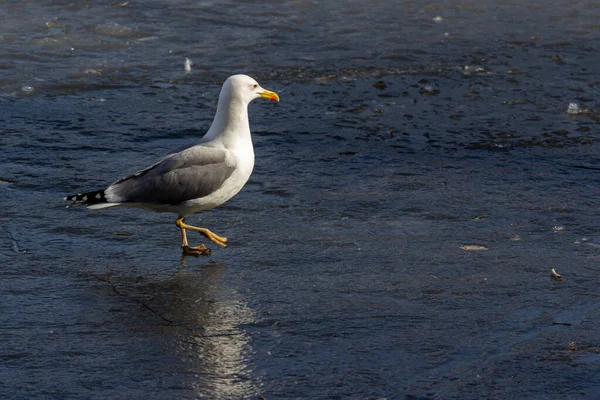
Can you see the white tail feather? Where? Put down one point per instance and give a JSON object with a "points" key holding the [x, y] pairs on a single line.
{"points": [[100, 206]]}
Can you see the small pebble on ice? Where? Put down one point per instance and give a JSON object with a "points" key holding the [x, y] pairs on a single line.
{"points": [[573, 109]]}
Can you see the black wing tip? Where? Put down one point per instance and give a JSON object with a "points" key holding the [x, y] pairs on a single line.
{"points": [[94, 197]]}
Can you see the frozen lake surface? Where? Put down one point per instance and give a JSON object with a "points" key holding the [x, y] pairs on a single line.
{"points": [[426, 168]]}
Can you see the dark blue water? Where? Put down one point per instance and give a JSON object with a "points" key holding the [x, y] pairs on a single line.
{"points": [[413, 189]]}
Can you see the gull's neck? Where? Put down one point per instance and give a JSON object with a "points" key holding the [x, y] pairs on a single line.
{"points": [[230, 126]]}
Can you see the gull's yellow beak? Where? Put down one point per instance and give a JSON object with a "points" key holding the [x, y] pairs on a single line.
{"points": [[267, 94]]}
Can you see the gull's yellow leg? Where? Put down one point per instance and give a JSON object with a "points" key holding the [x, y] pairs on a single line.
{"points": [[221, 241], [187, 250]]}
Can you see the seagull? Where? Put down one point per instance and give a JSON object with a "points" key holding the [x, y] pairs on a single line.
{"points": [[198, 178]]}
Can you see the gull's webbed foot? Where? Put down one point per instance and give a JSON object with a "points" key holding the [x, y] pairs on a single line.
{"points": [[213, 237], [196, 251]]}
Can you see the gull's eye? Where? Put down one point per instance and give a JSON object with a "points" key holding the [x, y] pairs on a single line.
{"points": [[255, 86]]}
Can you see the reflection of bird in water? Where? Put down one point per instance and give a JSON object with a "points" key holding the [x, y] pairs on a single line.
{"points": [[200, 177], [214, 350]]}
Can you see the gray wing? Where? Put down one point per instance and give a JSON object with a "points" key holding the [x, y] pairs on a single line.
{"points": [[192, 173]]}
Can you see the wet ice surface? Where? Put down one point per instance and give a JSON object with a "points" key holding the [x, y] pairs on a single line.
{"points": [[401, 140]]}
